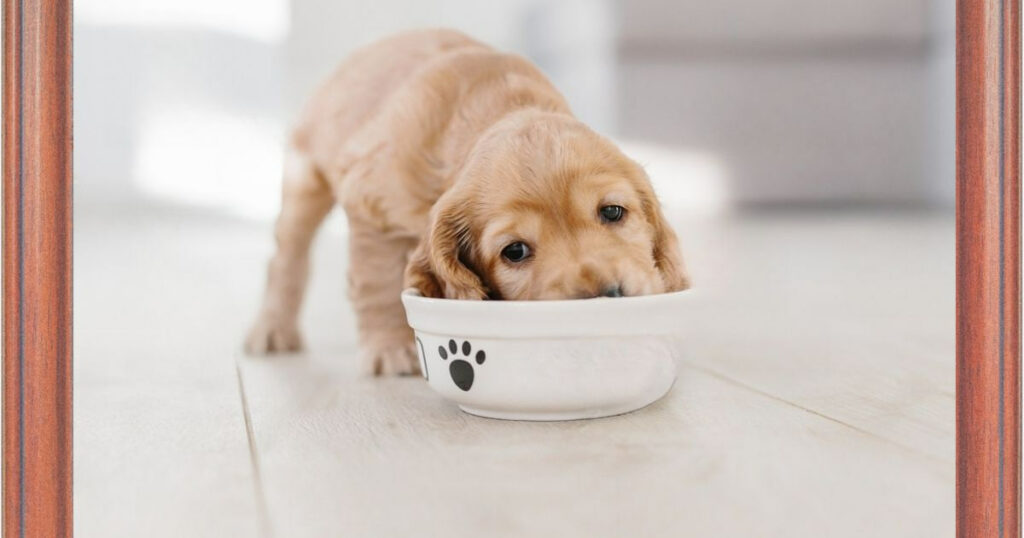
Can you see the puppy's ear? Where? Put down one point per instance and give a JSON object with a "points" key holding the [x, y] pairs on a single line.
{"points": [[420, 275], [667, 257], [437, 266]]}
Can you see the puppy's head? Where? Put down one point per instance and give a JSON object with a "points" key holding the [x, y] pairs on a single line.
{"points": [[547, 209]]}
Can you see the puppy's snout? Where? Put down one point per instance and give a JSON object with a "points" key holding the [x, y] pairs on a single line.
{"points": [[613, 291], [585, 281]]}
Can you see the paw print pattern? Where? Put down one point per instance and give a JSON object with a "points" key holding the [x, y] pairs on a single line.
{"points": [[460, 368]]}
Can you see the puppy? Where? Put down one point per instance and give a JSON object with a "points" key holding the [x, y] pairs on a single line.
{"points": [[462, 173]]}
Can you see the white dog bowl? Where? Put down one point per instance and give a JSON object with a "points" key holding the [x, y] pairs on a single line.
{"points": [[547, 360]]}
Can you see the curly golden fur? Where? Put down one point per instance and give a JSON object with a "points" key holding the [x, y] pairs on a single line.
{"points": [[443, 151]]}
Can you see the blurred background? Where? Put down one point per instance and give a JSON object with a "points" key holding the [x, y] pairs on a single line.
{"points": [[804, 151], [729, 103]]}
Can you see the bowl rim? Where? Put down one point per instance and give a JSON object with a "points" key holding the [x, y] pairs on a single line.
{"points": [[642, 315]]}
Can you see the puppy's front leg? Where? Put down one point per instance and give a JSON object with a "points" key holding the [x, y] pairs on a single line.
{"points": [[306, 200], [376, 265]]}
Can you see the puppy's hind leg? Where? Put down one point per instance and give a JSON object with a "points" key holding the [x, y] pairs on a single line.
{"points": [[376, 265], [306, 200]]}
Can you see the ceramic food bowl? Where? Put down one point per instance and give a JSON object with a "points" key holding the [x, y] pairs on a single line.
{"points": [[547, 360]]}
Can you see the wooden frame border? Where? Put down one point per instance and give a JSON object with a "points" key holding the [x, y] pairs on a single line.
{"points": [[37, 248], [988, 268], [37, 341]]}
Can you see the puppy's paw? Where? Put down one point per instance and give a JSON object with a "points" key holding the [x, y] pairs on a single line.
{"points": [[268, 336], [400, 359]]}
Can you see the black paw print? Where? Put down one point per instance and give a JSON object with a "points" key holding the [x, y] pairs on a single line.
{"points": [[460, 369]]}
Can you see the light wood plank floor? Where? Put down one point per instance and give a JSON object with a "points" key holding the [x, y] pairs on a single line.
{"points": [[815, 398]]}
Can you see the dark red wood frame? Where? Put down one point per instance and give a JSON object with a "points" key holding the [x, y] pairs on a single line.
{"points": [[988, 268], [37, 268]]}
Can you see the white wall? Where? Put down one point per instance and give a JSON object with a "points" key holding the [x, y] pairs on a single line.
{"points": [[803, 101], [939, 182], [188, 100], [179, 100]]}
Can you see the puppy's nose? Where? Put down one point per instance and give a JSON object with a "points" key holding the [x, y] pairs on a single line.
{"points": [[613, 291]]}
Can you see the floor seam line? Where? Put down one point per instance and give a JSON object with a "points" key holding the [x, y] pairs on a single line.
{"points": [[261, 498], [732, 381]]}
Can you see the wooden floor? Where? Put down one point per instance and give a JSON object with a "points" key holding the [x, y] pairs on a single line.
{"points": [[815, 398]]}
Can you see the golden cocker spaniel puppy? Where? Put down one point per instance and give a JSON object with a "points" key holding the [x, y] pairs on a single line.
{"points": [[463, 173]]}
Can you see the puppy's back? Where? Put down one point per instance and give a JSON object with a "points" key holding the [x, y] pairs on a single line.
{"points": [[355, 92]]}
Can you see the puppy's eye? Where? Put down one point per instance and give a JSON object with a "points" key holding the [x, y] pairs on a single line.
{"points": [[612, 213], [516, 252]]}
